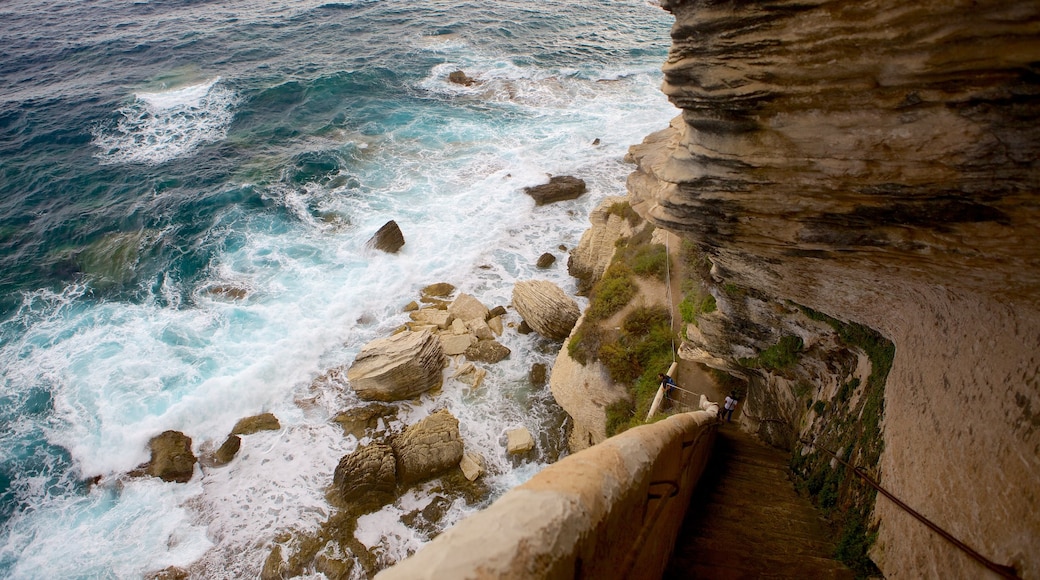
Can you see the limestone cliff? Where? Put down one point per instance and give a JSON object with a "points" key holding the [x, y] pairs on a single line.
{"points": [[858, 175]]}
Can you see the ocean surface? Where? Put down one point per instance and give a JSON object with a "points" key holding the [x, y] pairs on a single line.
{"points": [[186, 190]]}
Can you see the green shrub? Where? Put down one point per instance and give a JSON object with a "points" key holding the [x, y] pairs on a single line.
{"points": [[779, 357], [612, 292], [619, 415], [649, 261]]}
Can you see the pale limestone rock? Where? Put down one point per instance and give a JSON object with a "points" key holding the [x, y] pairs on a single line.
{"points": [[470, 374], [590, 258], [546, 308], [480, 328], [458, 326], [398, 367], [519, 441], [436, 292], [584, 392], [472, 465], [420, 326], [360, 420], [467, 307], [428, 448], [495, 324], [454, 344]]}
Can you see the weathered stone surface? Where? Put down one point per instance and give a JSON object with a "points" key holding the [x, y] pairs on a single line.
{"points": [[894, 194], [411, 306], [228, 450], [495, 324], [559, 188], [537, 374], [366, 477], [545, 307], [454, 344], [359, 420], [496, 311], [470, 374], [519, 441], [545, 260], [459, 77], [438, 291], [428, 448], [458, 327], [472, 465], [524, 328], [489, 351], [467, 307], [256, 423], [169, 573], [590, 258], [479, 327], [388, 238], [172, 458], [432, 316], [398, 367]]}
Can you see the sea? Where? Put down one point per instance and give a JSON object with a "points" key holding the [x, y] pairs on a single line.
{"points": [[187, 189]]}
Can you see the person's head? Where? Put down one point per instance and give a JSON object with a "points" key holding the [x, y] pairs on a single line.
{"points": [[733, 394], [660, 376]]}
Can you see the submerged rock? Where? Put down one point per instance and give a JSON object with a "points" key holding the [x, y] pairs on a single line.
{"points": [[398, 367], [459, 77]]}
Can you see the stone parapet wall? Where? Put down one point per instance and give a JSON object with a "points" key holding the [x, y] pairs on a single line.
{"points": [[610, 511]]}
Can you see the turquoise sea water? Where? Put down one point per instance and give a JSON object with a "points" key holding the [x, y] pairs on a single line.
{"points": [[155, 154]]}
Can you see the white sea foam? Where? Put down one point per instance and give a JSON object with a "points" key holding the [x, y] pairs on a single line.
{"points": [[156, 127]]}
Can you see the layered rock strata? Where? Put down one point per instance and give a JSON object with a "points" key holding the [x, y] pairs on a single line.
{"points": [[546, 308], [877, 163], [398, 367]]}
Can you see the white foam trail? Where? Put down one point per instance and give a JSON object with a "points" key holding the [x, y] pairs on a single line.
{"points": [[157, 127]]}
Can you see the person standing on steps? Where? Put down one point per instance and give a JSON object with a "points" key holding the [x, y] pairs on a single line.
{"points": [[667, 382], [727, 410]]}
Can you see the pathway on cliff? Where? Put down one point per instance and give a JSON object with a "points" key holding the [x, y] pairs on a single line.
{"points": [[746, 520]]}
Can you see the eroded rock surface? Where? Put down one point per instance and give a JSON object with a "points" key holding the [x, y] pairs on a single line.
{"points": [[255, 424], [172, 458], [367, 477], [559, 188], [428, 447], [546, 308], [388, 238], [398, 367]]}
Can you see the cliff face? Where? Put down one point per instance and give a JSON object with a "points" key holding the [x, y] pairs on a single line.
{"points": [[872, 168]]}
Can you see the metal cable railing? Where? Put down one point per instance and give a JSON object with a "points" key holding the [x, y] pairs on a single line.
{"points": [[1002, 570]]}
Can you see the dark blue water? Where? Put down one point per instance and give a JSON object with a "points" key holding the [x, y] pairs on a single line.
{"points": [[152, 153]]}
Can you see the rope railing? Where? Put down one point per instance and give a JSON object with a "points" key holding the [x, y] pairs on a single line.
{"points": [[1002, 570]]}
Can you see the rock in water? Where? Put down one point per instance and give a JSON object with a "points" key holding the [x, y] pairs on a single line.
{"points": [[367, 477], [489, 351], [359, 420], [466, 307], [461, 78], [519, 441], [397, 367], [545, 260], [545, 308], [388, 238], [558, 189], [472, 465], [172, 459], [428, 448], [227, 451], [256, 423]]}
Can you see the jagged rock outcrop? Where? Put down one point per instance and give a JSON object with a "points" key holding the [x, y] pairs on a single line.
{"points": [[472, 465], [589, 259], [896, 196], [388, 238], [360, 420], [171, 457], [545, 307], [428, 447], [367, 477], [227, 450], [559, 188], [398, 367], [489, 351]]}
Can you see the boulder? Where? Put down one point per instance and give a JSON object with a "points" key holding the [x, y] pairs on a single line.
{"points": [[519, 441], [496, 311], [428, 448], [559, 188], [398, 367], [537, 374], [359, 420], [388, 238], [467, 307], [227, 451], [256, 423], [434, 316], [454, 344], [458, 326], [172, 458], [480, 328], [546, 308], [470, 374], [472, 465], [495, 324], [545, 260], [411, 306], [489, 351], [524, 328], [366, 477], [459, 77], [435, 292]]}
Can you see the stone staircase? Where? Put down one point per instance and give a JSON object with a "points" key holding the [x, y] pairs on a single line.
{"points": [[746, 521]]}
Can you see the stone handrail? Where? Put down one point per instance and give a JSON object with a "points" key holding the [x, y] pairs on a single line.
{"points": [[610, 511]]}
